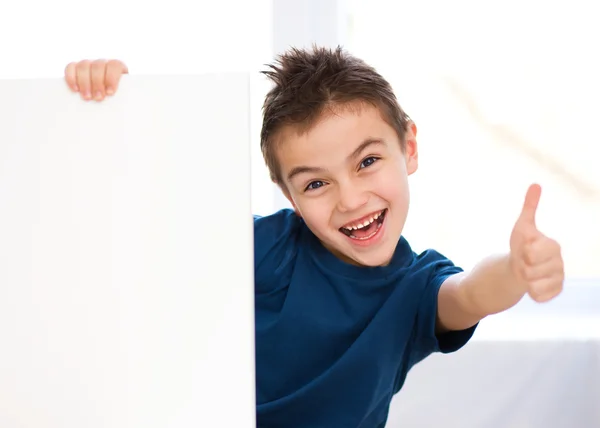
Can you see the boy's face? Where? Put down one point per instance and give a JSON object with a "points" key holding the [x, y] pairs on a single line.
{"points": [[348, 179]]}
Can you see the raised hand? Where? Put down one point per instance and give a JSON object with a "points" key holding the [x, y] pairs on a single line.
{"points": [[536, 259], [95, 79]]}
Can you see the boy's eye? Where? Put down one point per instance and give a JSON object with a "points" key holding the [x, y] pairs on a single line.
{"points": [[368, 162], [313, 185]]}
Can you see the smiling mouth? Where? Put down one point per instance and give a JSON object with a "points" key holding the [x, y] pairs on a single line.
{"points": [[365, 230]]}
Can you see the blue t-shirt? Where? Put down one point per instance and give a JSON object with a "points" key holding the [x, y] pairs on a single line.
{"points": [[334, 341]]}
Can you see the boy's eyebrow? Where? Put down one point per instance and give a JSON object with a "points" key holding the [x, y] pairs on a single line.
{"points": [[368, 142], [314, 169], [303, 169]]}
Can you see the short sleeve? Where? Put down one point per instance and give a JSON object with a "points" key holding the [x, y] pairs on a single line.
{"points": [[439, 269], [275, 247]]}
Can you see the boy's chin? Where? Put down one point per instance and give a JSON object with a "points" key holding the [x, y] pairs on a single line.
{"points": [[378, 255], [375, 260], [371, 259]]}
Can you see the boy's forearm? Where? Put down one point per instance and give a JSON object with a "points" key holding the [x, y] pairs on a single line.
{"points": [[491, 286], [534, 266]]}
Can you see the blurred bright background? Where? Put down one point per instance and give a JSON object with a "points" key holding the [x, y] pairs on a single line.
{"points": [[504, 94]]}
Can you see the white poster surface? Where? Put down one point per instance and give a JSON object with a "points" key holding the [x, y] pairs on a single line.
{"points": [[126, 269]]}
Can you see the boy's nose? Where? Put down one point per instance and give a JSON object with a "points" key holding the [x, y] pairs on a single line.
{"points": [[351, 198]]}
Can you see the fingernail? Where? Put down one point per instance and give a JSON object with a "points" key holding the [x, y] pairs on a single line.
{"points": [[98, 95], [87, 95], [110, 91]]}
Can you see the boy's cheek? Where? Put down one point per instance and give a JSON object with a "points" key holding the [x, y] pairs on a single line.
{"points": [[317, 214], [399, 185], [313, 214]]}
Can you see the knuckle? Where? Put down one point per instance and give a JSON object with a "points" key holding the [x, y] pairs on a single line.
{"points": [[98, 67], [553, 245], [114, 64], [83, 65], [70, 74], [529, 255], [70, 66], [114, 72], [97, 77], [557, 247], [524, 272], [529, 273]]}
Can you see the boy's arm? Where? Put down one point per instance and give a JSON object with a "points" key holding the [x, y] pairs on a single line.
{"points": [[534, 265]]}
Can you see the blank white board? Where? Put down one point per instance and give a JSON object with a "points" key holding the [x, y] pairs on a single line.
{"points": [[126, 269]]}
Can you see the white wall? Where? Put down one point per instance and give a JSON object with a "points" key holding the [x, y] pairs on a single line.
{"points": [[503, 94], [176, 37]]}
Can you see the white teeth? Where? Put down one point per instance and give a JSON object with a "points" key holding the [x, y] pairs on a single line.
{"points": [[361, 225], [366, 223]]}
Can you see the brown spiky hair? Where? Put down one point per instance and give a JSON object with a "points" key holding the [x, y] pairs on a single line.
{"points": [[310, 82]]}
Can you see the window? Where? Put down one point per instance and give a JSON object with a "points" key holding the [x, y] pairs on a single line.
{"points": [[504, 95]]}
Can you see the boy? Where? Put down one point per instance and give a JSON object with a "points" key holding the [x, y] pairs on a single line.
{"points": [[344, 307]]}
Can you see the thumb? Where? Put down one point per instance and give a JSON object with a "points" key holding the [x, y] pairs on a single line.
{"points": [[532, 199]]}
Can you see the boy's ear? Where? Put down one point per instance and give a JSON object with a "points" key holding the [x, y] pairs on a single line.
{"points": [[412, 152]]}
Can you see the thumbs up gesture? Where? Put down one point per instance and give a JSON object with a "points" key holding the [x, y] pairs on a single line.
{"points": [[536, 260]]}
